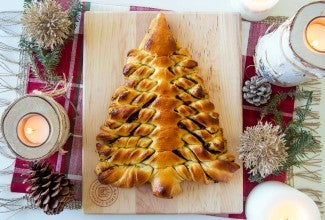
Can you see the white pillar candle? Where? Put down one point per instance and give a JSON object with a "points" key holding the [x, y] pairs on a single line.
{"points": [[293, 53], [277, 201], [254, 10], [33, 130]]}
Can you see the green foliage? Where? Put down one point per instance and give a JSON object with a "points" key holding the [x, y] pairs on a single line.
{"points": [[49, 59], [272, 107], [299, 139], [74, 13], [27, 3]]}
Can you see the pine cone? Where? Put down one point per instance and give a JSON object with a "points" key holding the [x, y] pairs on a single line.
{"points": [[257, 90], [50, 191]]}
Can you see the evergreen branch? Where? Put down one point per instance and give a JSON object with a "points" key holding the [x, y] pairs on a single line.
{"points": [[74, 14], [27, 3], [272, 107], [48, 60], [299, 140], [48, 77]]}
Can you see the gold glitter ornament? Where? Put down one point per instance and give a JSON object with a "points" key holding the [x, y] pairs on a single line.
{"points": [[262, 149], [47, 23]]}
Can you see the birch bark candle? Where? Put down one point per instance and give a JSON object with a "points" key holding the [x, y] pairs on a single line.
{"points": [[35, 126], [254, 10], [294, 53], [275, 200]]}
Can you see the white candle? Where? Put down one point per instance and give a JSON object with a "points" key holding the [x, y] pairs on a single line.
{"points": [[275, 200], [315, 34], [33, 130], [254, 10]]}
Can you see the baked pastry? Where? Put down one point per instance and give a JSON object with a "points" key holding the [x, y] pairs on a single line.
{"points": [[161, 127]]}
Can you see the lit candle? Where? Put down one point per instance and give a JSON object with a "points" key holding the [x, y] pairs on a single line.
{"points": [[274, 200], [35, 126], [254, 10], [315, 34], [33, 130]]}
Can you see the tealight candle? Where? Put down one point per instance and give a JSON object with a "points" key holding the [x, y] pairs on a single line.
{"points": [[315, 34], [254, 10], [35, 126], [274, 200], [33, 130]]}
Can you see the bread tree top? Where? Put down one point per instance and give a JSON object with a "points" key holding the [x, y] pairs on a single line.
{"points": [[161, 127], [159, 40]]}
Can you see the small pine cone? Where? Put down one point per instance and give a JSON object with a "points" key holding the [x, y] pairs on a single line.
{"points": [[50, 191], [257, 90]]}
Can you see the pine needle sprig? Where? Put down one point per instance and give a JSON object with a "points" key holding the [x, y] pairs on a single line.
{"points": [[48, 53], [74, 14], [48, 60], [299, 139], [27, 3], [272, 106]]}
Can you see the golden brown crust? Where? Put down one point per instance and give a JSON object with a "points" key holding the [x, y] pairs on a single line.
{"points": [[124, 176], [161, 127], [154, 43], [165, 183]]}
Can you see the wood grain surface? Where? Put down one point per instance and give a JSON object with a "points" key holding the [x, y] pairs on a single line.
{"points": [[214, 41]]}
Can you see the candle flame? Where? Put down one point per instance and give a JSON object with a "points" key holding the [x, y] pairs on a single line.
{"points": [[315, 43], [29, 130], [315, 33]]}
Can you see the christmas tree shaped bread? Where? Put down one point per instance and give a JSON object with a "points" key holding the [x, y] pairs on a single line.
{"points": [[161, 127]]}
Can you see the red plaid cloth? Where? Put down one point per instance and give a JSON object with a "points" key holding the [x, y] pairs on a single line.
{"points": [[251, 114], [71, 162], [71, 65]]}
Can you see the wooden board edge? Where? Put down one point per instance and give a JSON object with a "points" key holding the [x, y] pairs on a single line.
{"points": [[86, 210]]}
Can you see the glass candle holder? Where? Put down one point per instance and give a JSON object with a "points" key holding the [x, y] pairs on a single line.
{"points": [[33, 130]]}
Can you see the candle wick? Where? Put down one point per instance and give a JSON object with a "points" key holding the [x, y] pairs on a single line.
{"points": [[29, 130]]}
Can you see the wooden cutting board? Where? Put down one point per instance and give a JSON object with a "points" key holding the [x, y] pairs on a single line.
{"points": [[214, 41]]}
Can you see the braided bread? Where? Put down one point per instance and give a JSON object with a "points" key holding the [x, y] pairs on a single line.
{"points": [[161, 127]]}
